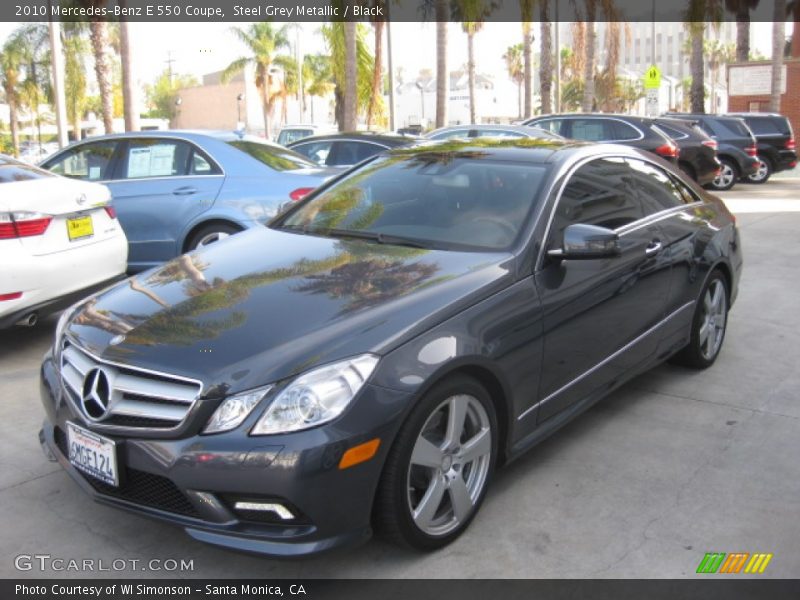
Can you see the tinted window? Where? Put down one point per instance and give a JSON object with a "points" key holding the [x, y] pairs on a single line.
{"points": [[449, 134], [673, 132], [350, 153], [275, 157], [601, 192], [11, 171], [287, 136], [763, 126], [591, 130], [624, 131], [503, 133], [316, 151], [657, 191], [735, 126], [551, 125], [91, 161], [438, 199]]}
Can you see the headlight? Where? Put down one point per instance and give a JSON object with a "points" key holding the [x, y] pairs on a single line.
{"points": [[316, 397], [234, 410]]}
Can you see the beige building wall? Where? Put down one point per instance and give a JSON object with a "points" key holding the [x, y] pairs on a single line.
{"points": [[211, 106]]}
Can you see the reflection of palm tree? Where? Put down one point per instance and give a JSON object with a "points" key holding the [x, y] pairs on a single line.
{"points": [[369, 282]]}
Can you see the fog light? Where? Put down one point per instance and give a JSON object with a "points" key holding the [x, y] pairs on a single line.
{"points": [[279, 509]]}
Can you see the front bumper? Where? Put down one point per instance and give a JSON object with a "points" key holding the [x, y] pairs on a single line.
{"points": [[195, 481]]}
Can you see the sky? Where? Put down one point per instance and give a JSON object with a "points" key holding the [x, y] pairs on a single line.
{"points": [[200, 48]]}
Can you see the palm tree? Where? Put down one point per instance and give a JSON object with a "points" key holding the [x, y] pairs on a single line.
{"points": [[99, 36], [442, 75], [611, 15], [778, 49], [472, 14], [130, 91], [718, 55], [742, 8], [317, 77], [10, 79], [334, 35], [526, 12], [34, 89], [697, 14], [516, 70], [264, 42], [76, 48], [546, 60], [350, 121], [377, 70]]}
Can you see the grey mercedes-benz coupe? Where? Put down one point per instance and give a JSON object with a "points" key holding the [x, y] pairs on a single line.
{"points": [[370, 358]]}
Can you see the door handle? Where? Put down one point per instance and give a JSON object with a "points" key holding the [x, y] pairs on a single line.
{"points": [[185, 191], [653, 248]]}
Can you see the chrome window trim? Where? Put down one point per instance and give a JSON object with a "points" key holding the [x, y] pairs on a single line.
{"points": [[569, 170], [606, 360], [129, 138]]}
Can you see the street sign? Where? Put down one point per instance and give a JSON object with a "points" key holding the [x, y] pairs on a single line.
{"points": [[652, 78], [651, 102]]}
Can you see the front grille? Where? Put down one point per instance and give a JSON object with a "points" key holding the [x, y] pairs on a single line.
{"points": [[139, 487], [133, 398]]}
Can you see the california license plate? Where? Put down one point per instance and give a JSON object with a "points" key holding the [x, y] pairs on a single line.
{"points": [[93, 454], [80, 227]]}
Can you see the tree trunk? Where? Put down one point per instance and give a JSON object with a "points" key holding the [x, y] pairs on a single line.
{"points": [[266, 89], [527, 40], [102, 69], [588, 67], [471, 74], [519, 101], [442, 76], [697, 92], [742, 31], [546, 67], [377, 72], [778, 45], [130, 91], [351, 87], [13, 113]]}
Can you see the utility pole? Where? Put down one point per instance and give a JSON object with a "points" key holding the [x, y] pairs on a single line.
{"points": [[58, 83], [169, 62], [557, 85]]}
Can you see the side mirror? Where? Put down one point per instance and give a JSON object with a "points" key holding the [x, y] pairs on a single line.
{"points": [[584, 242]]}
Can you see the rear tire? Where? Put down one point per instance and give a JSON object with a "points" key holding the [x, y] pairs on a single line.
{"points": [[210, 234], [440, 466], [765, 170], [709, 324], [729, 173]]}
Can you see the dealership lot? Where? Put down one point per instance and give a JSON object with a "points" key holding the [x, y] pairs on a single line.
{"points": [[676, 464]]}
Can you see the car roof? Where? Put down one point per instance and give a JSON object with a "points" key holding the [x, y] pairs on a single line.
{"points": [[526, 150], [393, 139], [591, 114], [191, 134]]}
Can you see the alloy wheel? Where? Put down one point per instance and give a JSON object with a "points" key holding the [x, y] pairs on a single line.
{"points": [[449, 465], [725, 178], [714, 316]]}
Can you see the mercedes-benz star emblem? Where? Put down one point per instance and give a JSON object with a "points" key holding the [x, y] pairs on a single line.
{"points": [[96, 393]]}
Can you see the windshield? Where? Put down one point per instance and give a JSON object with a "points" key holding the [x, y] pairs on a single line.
{"points": [[275, 157], [430, 199]]}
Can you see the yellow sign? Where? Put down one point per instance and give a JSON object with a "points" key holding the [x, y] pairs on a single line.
{"points": [[652, 78]]}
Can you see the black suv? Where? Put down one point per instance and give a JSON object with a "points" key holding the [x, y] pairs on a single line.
{"points": [[639, 132], [736, 146], [698, 156], [775, 141]]}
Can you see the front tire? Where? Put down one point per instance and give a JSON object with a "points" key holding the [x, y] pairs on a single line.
{"points": [[763, 173], [440, 466], [708, 325]]}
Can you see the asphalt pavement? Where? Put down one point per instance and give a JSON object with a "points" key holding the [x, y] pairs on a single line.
{"points": [[675, 464]]}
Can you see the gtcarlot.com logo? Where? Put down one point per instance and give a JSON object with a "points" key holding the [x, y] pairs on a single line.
{"points": [[735, 562]]}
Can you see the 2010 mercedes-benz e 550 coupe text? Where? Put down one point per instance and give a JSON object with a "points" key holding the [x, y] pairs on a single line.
{"points": [[371, 357]]}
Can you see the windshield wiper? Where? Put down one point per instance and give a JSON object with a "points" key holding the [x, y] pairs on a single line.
{"points": [[381, 238]]}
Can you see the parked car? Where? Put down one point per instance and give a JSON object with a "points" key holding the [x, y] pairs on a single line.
{"points": [[698, 152], [348, 149], [175, 191], [372, 356], [736, 146], [637, 132], [775, 142], [292, 133], [488, 130], [59, 241]]}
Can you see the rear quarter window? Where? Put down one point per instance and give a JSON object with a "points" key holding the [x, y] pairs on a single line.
{"points": [[764, 126]]}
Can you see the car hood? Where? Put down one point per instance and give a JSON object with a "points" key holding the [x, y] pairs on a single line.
{"points": [[266, 304]]}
